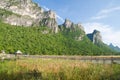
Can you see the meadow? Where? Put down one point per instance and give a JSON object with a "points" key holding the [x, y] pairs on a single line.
{"points": [[57, 69]]}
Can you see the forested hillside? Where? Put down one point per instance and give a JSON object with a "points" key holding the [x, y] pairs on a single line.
{"points": [[33, 40]]}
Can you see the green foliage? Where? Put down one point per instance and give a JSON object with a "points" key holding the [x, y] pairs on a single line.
{"points": [[31, 40], [4, 13]]}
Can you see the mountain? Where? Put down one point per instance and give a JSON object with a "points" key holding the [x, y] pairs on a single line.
{"points": [[69, 27], [116, 48], [27, 27], [27, 13], [95, 37]]}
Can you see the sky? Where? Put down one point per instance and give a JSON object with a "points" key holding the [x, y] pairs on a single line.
{"points": [[103, 15]]}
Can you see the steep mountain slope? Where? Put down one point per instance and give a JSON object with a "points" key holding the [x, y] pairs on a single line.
{"points": [[28, 14], [69, 27], [96, 39], [32, 40], [27, 27], [116, 48]]}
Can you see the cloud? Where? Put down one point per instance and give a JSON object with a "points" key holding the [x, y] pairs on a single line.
{"points": [[98, 17], [45, 8], [105, 13], [60, 18], [109, 35]]}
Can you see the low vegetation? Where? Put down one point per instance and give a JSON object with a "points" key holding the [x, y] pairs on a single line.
{"points": [[48, 69]]}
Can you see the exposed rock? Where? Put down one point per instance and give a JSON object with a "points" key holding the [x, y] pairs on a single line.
{"points": [[68, 23], [73, 27], [50, 21], [76, 29], [116, 48], [80, 26], [21, 21], [50, 14], [29, 14], [95, 37], [26, 13], [22, 7]]}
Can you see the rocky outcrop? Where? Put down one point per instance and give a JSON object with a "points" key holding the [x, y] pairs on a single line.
{"points": [[27, 13], [76, 29], [95, 37], [115, 48], [20, 21], [70, 25], [79, 26], [22, 7], [50, 21]]}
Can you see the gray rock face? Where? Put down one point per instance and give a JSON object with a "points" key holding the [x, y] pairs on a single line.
{"points": [[80, 26], [22, 7], [50, 21], [76, 29], [116, 48], [21, 21], [50, 14], [95, 37], [68, 24], [28, 14]]}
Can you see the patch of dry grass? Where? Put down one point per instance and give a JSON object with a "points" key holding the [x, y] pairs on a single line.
{"points": [[56, 69]]}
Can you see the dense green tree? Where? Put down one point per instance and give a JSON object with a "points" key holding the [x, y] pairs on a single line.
{"points": [[31, 40]]}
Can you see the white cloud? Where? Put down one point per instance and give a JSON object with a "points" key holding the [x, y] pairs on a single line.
{"points": [[60, 18], [109, 10], [47, 9], [109, 35], [105, 13], [98, 17]]}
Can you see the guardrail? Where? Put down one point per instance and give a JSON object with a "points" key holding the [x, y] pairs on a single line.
{"points": [[94, 59]]}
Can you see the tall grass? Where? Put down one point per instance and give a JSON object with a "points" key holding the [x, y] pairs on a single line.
{"points": [[48, 69]]}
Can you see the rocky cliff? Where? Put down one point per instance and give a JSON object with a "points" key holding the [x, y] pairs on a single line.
{"points": [[95, 37], [116, 48], [72, 26], [76, 29], [27, 13], [70, 40]]}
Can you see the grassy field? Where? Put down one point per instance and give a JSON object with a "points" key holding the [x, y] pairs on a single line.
{"points": [[56, 69]]}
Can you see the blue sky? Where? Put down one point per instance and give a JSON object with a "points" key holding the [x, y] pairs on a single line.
{"points": [[103, 15]]}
